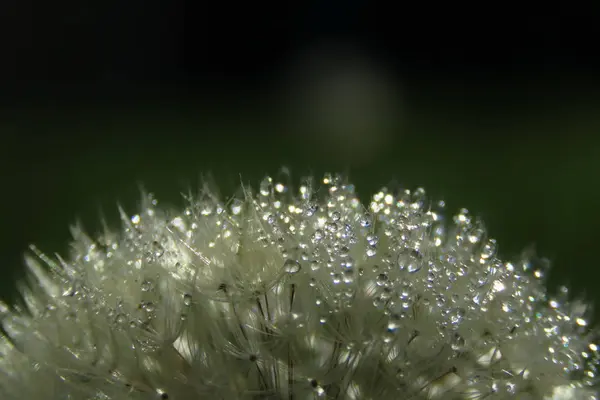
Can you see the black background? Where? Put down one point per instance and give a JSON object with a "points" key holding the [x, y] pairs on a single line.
{"points": [[493, 108]]}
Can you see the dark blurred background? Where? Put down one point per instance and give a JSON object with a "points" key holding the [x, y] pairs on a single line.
{"points": [[491, 109]]}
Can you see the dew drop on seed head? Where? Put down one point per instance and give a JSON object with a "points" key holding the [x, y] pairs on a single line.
{"points": [[310, 209], [365, 221], [187, 299], [317, 236], [120, 318], [157, 249], [489, 249], [348, 275], [410, 263], [382, 280], [413, 267], [147, 285], [393, 325], [476, 234], [265, 186], [457, 316], [336, 278], [331, 226], [463, 218], [372, 240], [458, 342], [291, 266], [236, 206], [388, 337], [344, 251]]}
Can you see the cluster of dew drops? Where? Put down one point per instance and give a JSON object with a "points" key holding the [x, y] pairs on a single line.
{"points": [[398, 249]]}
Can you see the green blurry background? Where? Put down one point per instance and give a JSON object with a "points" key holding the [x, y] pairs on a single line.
{"points": [[509, 130], [529, 171]]}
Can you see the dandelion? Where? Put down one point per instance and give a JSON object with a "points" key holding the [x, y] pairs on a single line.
{"points": [[276, 295]]}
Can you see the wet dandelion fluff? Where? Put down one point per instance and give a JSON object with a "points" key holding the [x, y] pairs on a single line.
{"points": [[282, 294]]}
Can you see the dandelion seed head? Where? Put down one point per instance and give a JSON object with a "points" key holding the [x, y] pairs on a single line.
{"points": [[303, 294]]}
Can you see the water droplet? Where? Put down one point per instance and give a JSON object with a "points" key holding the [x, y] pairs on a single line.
{"points": [[335, 216], [388, 337], [344, 251], [236, 206], [317, 389], [379, 302], [207, 209], [440, 300], [477, 233], [372, 240], [265, 186], [291, 266], [410, 262], [489, 249], [413, 267], [336, 278], [331, 226], [147, 285], [365, 221], [452, 277], [149, 307], [457, 316], [348, 275], [121, 318], [310, 209], [431, 276], [458, 342], [393, 323], [462, 218], [69, 291], [382, 280], [317, 236], [187, 299], [158, 249], [315, 265]]}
